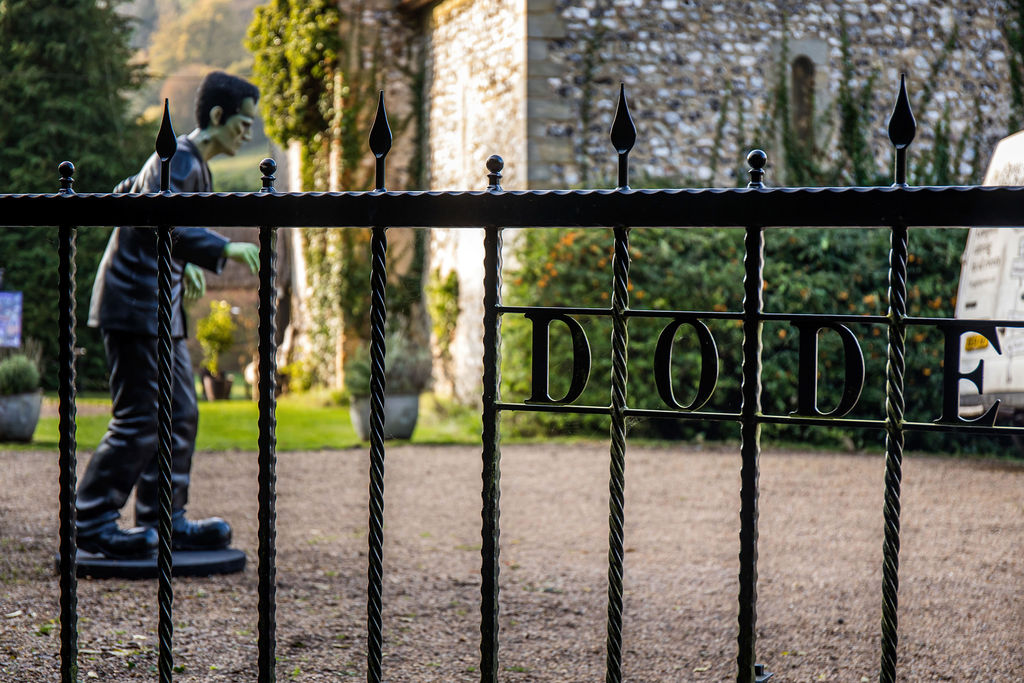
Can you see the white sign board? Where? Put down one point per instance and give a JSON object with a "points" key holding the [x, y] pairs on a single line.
{"points": [[992, 287]]}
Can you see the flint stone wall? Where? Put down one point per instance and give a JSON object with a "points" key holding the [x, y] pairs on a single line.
{"points": [[476, 66], [678, 59]]}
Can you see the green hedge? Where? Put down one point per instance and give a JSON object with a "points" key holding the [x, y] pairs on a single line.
{"points": [[839, 271]]}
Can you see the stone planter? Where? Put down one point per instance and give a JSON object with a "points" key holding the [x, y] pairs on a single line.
{"points": [[400, 414], [217, 388], [18, 416]]}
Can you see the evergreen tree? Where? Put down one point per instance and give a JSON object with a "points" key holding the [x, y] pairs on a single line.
{"points": [[65, 74]]}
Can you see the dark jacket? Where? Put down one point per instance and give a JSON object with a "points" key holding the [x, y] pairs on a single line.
{"points": [[125, 293]]}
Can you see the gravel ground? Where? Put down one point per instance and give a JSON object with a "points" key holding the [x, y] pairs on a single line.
{"points": [[961, 598]]}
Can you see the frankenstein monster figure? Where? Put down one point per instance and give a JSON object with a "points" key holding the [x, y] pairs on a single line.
{"points": [[124, 307]]}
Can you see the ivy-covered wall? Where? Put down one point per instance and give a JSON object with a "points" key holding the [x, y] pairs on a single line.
{"points": [[683, 62], [535, 81], [810, 83], [320, 66]]}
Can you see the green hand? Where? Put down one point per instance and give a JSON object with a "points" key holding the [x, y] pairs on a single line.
{"points": [[244, 253], [194, 281]]}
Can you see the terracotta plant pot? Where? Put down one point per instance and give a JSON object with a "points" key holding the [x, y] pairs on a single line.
{"points": [[401, 411]]}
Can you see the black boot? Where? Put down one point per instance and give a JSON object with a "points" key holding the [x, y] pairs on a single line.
{"points": [[115, 543], [212, 533]]}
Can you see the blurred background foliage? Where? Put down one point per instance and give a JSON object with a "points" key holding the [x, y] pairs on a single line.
{"points": [[835, 271]]}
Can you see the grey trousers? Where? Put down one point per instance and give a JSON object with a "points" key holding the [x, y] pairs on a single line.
{"points": [[127, 455]]}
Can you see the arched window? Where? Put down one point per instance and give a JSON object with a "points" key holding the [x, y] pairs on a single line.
{"points": [[802, 72]]}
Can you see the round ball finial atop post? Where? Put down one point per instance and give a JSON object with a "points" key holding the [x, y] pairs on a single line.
{"points": [[495, 165], [757, 160], [268, 167], [66, 169]]}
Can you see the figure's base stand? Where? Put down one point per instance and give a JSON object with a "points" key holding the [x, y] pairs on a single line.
{"points": [[185, 562]]}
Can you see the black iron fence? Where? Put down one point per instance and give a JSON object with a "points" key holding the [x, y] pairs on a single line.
{"points": [[754, 209]]}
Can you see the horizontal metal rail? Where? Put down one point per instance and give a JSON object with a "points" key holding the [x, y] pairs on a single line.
{"points": [[802, 207]]}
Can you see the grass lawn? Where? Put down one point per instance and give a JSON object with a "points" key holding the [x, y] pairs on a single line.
{"points": [[240, 173], [304, 422]]}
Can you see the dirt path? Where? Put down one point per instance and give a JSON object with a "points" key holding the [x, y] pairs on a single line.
{"points": [[961, 597]]}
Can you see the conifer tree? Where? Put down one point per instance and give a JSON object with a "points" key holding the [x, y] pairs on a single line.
{"points": [[65, 75]]}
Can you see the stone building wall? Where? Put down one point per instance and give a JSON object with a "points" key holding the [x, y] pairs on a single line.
{"points": [[536, 81], [392, 46], [476, 89], [475, 92], [679, 58]]}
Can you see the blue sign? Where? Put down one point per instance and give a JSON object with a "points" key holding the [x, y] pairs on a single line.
{"points": [[10, 319]]}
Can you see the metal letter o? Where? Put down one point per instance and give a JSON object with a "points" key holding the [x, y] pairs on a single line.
{"points": [[708, 364]]}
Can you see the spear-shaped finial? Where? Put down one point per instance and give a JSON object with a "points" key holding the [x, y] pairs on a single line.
{"points": [[902, 128], [380, 140], [166, 146], [623, 136]]}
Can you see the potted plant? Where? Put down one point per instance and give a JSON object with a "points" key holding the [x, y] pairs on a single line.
{"points": [[406, 375], [20, 398], [216, 334]]}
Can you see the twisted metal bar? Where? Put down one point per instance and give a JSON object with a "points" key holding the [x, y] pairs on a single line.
{"points": [[267, 589], [894, 409], [750, 435], [375, 571], [617, 478], [165, 359], [67, 459], [491, 472], [902, 129]]}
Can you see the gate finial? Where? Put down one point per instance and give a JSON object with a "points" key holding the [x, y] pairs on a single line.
{"points": [[757, 160], [902, 128], [380, 141], [623, 136], [166, 146], [67, 171], [268, 167], [495, 164]]}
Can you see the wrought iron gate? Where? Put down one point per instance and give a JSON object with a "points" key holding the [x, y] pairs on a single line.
{"points": [[752, 209]]}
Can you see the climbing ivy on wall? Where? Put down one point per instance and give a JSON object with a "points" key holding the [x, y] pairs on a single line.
{"points": [[317, 67], [295, 48], [1013, 33], [839, 151], [444, 309]]}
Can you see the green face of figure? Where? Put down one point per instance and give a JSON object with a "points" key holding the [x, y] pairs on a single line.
{"points": [[226, 137]]}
